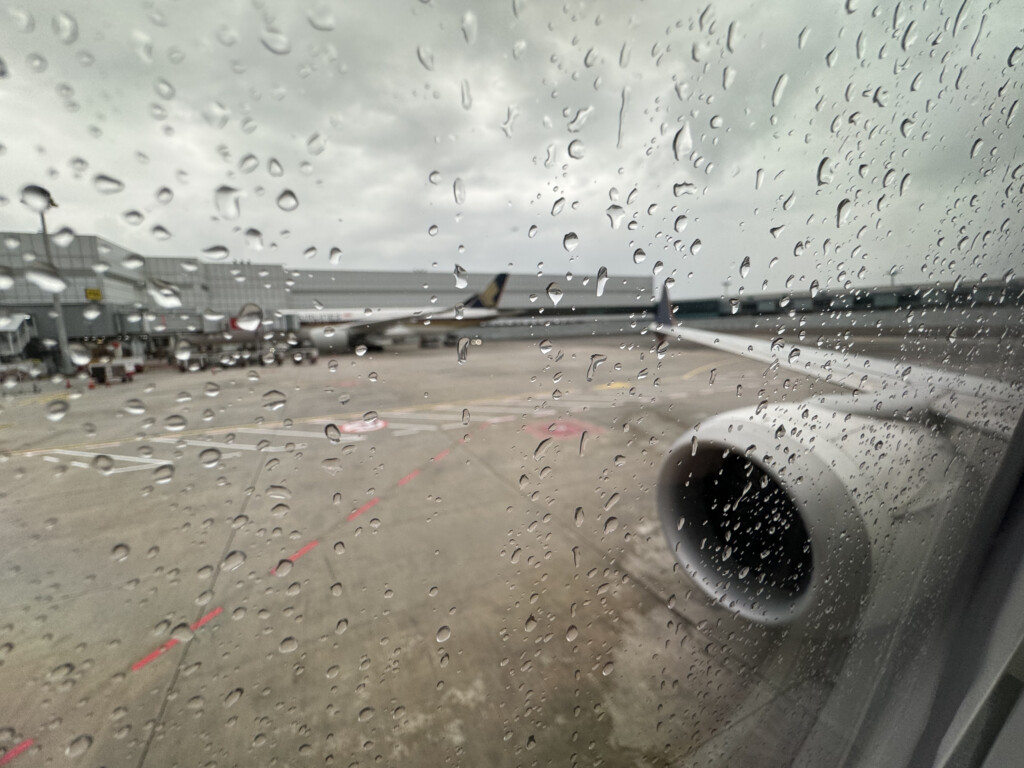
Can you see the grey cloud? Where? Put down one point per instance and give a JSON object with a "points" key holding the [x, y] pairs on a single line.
{"points": [[388, 122]]}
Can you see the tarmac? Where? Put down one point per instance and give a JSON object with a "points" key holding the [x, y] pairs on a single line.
{"points": [[400, 558]]}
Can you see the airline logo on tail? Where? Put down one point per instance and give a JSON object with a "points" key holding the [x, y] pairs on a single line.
{"points": [[489, 297]]}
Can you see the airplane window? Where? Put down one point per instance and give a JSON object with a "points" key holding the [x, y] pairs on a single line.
{"points": [[504, 383]]}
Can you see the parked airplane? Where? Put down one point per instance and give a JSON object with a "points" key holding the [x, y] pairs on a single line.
{"points": [[335, 330], [875, 528]]}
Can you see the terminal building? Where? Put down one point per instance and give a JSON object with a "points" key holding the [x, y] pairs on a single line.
{"points": [[104, 291], [110, 292]]}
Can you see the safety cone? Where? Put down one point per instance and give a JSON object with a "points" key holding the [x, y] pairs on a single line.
{"points": [[92, 383]]}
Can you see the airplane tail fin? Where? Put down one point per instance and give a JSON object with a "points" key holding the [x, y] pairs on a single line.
{"points": [[489, 297], [664, 316]]}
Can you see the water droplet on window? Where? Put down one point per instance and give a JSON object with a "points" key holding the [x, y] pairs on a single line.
{"points": [[576, 149], [79, 746], [56, 409], [682, 144], [78, 353], [444, 633], [209, 457], [616, 215], [469, 27], [332, 433], [37, 62], [316, 144], [102, 463], [467, 97], [532, 232], [554, 292], [250, 317], [570, 242], [45, 277], [780, 88], [459, 191], [108, 185], [843, 211], [510, 121], [276, 41], [426, 57], [274, 400], [460, 277], [602, 280], [287, 201], [175, 423], [366, 714], [557, 207], [639, 256], [745, 266], [462, 350], [65, 27], [227, 201], [288, 645]]}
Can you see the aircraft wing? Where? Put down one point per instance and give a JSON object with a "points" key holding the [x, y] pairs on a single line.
{"points": [[887, 385]]}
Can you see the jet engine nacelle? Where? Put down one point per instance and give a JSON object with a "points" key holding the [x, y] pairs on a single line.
{"points": [[804, 514], [328, 339]]}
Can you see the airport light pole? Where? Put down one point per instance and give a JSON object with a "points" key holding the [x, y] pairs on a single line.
{"points": [[40, 201]]}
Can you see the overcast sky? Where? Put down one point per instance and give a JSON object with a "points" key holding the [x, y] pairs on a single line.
{"points": [[687, 104]]}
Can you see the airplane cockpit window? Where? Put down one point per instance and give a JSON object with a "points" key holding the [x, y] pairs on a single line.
{"points": [[510, 383]]}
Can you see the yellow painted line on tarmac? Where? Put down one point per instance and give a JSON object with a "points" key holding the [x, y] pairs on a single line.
{"points": [[615, 385], [701, 369]]}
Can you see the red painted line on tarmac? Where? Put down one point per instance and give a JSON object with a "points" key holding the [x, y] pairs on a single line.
{"points": [[154, 655], [408, 478], [441, 455], [367, 506], [15, 751], [211, 615], [174, 641], [298, 554]]}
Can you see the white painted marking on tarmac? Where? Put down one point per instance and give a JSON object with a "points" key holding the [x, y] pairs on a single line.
{"points": [[281, 432], [136, 468], [92, 454], [416, 427], [236, 446]]}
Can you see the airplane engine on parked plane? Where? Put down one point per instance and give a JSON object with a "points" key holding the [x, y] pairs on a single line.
{"points": [[329, 339], [806, 514]]}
